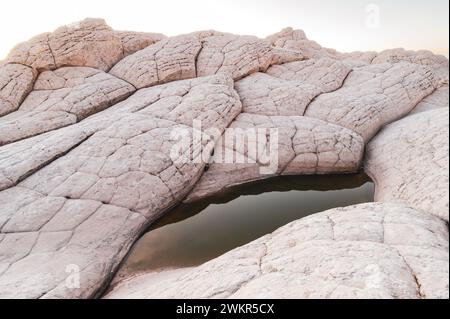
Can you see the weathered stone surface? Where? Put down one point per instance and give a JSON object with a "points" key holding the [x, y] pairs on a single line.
{"points": [[304, 146], [135, 41], [89, 43], [438, 63], [88, 206], [365, 251], [73, 199], [437, 99], [60, 98], [19, 160], [238, 55], [296, 40], [16, 81], [408, 161], [35, 53], [287, 89], [168, 60], [199, 54], [375, 95]]}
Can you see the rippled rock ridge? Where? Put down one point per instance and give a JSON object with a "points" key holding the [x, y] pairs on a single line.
{"points": [[87, 116]]}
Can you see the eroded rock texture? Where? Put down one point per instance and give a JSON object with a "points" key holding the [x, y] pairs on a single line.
{"points": [[90, 118], [304, 146], [438, 63], [16, 81], [409, 162], [437, 99], [135, 41], [287, 89], [90, 43], [375, 95], [364, 251], [296, 40], [199, 54], [87, 207], [63, 97]]}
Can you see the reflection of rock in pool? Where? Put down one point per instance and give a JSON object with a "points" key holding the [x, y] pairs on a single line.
{"points": [[194, 233]]}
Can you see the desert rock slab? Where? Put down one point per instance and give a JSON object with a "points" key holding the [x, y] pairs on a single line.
{"points": [[296, 40], [438, 99], [90, 43], [16, 81], [136, 41], [408, 161], [375, 95], [278, 145], [199, 54], [85, 206], [365, 251], [63, 97], [438, 63], [287, 89]]}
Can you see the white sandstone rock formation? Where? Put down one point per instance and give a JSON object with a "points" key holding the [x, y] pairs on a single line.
{"points": [[305, 146], [60, 98], [90, 43], [375, 95], [199, 54], [408, 161], [87, 122], [16, 81], [88, 206], [287, 89]]}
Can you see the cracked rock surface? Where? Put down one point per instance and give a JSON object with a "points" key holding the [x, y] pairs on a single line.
{"points": [[60, 98], [375, 95], [199, 54], [90, 118], [118, 179], [16, 81], [371, 250], [287, 89], [305, 146], [408, 160]]}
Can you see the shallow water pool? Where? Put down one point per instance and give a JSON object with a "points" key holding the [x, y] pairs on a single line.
{"points": [[192, 234]]}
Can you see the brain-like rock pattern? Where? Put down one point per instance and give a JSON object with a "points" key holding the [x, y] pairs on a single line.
{"points": [[438, 99], [90, 186], [375, 95], [199, 54], [63, 97], [102, 131], [89, 43], [16, 81], [438, 63], [296, 40], [288, 89], [409, 162], [304, 145], [364, 251], [135, 41]]}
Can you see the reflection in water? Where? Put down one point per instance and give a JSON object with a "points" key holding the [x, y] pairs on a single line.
{"points": [[192, 234]]}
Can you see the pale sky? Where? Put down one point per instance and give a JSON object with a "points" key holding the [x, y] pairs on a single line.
{"points": [[345, 25]]}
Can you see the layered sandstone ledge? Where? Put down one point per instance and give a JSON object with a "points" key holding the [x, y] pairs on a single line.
{"points": [[86, 117]]}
